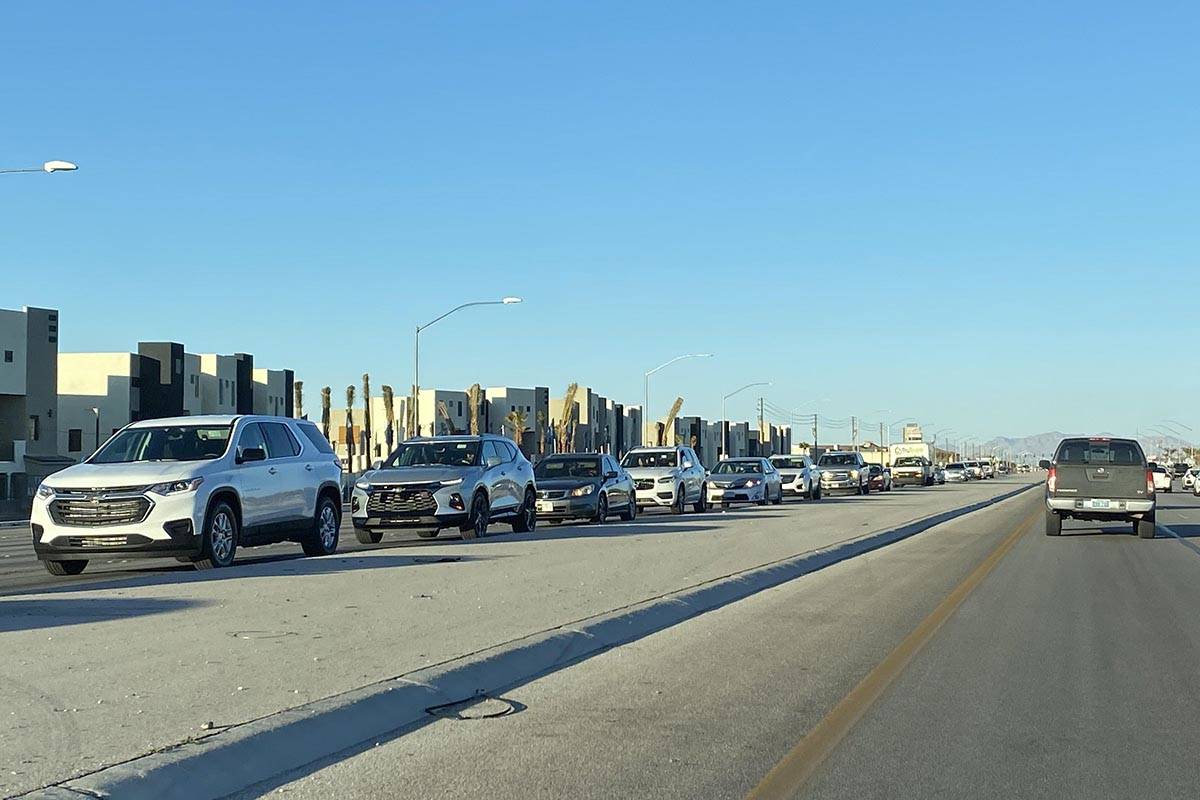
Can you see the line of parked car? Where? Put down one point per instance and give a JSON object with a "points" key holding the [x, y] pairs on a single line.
{"points": [[199, 488]]}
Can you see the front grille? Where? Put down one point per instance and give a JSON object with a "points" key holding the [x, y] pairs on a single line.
{"points": [[402, 501], [645, 485], [552, 494], [94, 511], [97, 541]]}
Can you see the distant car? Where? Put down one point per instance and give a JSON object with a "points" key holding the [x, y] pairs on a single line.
{"points": [[583, 486], [844, 471], [956, 472], [1189, 479], [880, 478], [669, 477], [912, 471], [437, 482], [196, 488], [744, 480], [1180, 469], [988, 470], [975, 470], [1101, 479], [1162, 478], [800, 476], [939, 476]]}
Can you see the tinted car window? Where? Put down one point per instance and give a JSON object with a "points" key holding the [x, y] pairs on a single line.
{"points": [[650, 459], [280, 443], [837, 460], [449, 454], [318, 441], [178, 443], [1086, 451], [551, 468], [491, 456], [250, 438], [509, 450]]}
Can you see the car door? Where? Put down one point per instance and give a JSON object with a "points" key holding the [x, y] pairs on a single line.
{"points": [[495, 477], [292, 502], [774, 481], [694, 474], [614, 487], [255, 484]]}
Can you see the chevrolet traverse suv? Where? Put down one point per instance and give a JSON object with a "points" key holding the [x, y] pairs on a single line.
{"points": [[431, 483], [196, 488]]}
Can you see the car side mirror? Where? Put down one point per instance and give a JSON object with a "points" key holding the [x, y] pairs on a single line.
{"points": [[251, 454], [687, 465], [1044, 464], [377, 464], [610, 475]]}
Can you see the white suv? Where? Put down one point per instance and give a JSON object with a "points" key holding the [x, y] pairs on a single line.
{"points": [[666, 476], [195, 488]]}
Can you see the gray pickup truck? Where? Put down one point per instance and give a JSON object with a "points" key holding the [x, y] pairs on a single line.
{"points": [[1099, 479]]}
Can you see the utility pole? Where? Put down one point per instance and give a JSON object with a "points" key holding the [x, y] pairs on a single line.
{"points": [[762, 434], [814, 431], [882, 452], [854, 433]]}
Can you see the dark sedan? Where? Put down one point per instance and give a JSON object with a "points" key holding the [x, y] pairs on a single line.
{"points": [[583, 486], [881, 478]]}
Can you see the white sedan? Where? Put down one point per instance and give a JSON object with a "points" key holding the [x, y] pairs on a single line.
{"points": [[799, 475], [1189, 478], [1162, 479]]}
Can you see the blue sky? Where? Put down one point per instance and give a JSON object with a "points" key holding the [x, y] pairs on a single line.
{"points": [[926, 210]]}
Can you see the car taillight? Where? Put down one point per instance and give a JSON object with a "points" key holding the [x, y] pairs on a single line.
{"points": [[1149, 481], [1051, 480]]}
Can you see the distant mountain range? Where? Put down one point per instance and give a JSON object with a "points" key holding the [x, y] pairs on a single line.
{"points": [[1042, 444]]}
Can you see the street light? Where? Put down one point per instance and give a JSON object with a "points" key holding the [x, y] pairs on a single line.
{"points": [[49, 166], [646, 389], [505, 301], [724, 435]]}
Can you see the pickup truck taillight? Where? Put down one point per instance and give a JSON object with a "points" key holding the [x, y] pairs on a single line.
{"points": [[1149, 481], [1051, 480]]}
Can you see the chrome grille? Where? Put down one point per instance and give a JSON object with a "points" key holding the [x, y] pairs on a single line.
{"points": [[402, 501], [552, 494], [97, 541], [645, 485], [94, 510]]}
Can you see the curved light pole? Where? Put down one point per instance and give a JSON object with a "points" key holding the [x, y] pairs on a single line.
{"points": [[894, 424], [646, 388], [49, 166], [507, 301], [724, 435]]}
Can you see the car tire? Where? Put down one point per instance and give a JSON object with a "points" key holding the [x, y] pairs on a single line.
{"points": [[477, 519], [630, 513], [322, 540], [219, 539], [1054, 523], [778, 498], [428, 534], [817, 492], [766, 498], [1146, 527], [601, 515], [677, 507], [72, 567], [526, 519], [368, 536], [864, 488]]}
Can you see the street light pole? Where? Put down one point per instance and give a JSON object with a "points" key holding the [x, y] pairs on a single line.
{"points": [[646, 390], [49, 166], [724, 435], [416, 399]]}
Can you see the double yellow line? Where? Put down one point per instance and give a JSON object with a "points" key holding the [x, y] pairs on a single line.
{"points": [[788, 776]]}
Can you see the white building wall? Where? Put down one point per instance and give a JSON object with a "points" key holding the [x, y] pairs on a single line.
{"points": [[14, 328], [270, 390], [192, 403], [87, 381], [218, 384]]}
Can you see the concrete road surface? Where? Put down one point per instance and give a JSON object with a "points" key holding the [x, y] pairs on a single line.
{"points": [[96, 673], [1068, 672]]}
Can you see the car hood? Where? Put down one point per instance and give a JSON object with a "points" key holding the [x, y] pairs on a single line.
{"points": [[566, 483], [419, 474], [140, 473], [651, 472]]}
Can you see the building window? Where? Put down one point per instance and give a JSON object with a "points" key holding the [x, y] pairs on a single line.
{"points": [[75, 440], [460, 408], [8, 356]]}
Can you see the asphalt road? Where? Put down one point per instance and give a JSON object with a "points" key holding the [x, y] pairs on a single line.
{"points": [[93, 673], [1067, 671]]}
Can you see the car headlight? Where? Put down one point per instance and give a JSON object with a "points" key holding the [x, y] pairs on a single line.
{"points": [[666, 479], [45, 492], [454, 482], [751, 483], [582, 491], [854, 473], [364, 485], [176, 487]]}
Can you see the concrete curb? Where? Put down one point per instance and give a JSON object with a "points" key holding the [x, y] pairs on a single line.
{"points": [[241, 756]]}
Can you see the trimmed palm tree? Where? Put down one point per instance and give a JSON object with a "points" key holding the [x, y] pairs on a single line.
{"points": [[389, 409], [668, 426], [541, 432], [350, 427], [564, 428], [298, 405], [444, 412], [367, 454], [326, 402], [515, 420], [475, 400]]}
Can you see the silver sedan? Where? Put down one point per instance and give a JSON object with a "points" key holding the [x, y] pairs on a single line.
{"points": [[743, 480]]}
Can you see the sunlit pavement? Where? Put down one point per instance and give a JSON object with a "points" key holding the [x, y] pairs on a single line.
{"points": [[101, 671], [1068, 673]]}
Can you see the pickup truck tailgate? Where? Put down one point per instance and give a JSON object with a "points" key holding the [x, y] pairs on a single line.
{"points": [[1111, 481]]}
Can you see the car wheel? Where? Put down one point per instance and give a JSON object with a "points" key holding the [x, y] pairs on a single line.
{"points": [[601, 515], [677, 506], [701, 504], [477, 520], [220, 538], [779, 497], [73, 567], [816, 492], [1145, 527], [368, 536], [1053, 523], [630, 513], [864, 488], [526, 519], [323, 539]]}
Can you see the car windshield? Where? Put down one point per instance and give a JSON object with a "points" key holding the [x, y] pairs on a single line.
{"points": [[837, 460], [956, 466], [445, 454], [166, 443], [1092, 451], [555, 467], [909, 461], [788, 462], [1160, 470], [738, 468], [650, 458]]}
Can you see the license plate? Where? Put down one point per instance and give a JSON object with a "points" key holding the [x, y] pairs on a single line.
{"points": [[543, 505], [1101, 503]]}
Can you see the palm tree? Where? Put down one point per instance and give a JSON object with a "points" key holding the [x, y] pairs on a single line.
{"points": [[389, 408], [298, 390], [668, 426], [445, 414], [350, 426], [541, 432], [475, 399], [516, 423], [326, 402], [367, 454], [410, 415], [564, 428]]}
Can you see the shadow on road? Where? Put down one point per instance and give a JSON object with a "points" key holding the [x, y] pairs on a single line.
{"points": [[23, 615]]}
